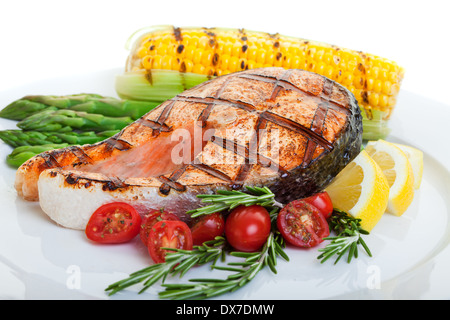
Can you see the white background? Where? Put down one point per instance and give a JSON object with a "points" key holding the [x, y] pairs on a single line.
{"points": [[43, 39]]}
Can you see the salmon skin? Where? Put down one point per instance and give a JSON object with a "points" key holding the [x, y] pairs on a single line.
{"points": [[289, 130]]}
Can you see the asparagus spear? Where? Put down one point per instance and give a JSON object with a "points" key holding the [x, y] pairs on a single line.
{"points": [[21, 154], [50, 120], [90, 103], [17, 138]]}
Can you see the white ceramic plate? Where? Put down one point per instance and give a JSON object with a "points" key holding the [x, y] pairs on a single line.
{"points": [[411, 256]]}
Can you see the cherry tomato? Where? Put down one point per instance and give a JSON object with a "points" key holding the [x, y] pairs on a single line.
{"points": [[150, 219], [114, 222], [168, 234], [302, 225], [247, 228], [207, 227], [321, 201]]}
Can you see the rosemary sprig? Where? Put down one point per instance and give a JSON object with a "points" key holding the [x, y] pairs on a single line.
{"points": [[177, 261], [243, 273], [349, 231], [181, 261], [230, 199]]}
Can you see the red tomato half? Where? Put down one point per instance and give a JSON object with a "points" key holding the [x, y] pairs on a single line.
{"points": [[207, 227], [114, 222], [151, 219], [168, 234], [321, 201], [302, 224], [247, 228]]}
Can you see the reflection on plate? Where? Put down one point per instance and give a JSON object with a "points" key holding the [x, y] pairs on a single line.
{"points": [[40, 260]]}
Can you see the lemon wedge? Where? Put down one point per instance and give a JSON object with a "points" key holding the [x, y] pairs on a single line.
{"points": [[415, 157], [398, 171], [362, 190]]}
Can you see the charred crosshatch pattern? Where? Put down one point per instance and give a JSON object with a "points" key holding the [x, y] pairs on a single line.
{"points": [[267, 126], [308, 141], [261, 111]]}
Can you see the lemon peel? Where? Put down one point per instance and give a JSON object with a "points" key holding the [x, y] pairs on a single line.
{"points": [[362, 190], [398, 171]]}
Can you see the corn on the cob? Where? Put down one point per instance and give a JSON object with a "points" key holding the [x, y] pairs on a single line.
{"points": [[192, 55]]}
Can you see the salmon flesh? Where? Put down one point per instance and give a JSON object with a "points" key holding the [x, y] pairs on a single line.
{"points": [[289, 130]]}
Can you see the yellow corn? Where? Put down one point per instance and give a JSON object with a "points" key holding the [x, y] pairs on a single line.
{"points": [[373, 80]]}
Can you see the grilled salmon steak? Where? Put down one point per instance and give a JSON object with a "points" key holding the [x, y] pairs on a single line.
{"points": [[289, 130]]}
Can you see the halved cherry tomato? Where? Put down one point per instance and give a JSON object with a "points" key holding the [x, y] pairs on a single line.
{"points": [[114, 222], [302, 224], [168, 234], [150, 219], [321, 201], [207, 227], [247, 228]]}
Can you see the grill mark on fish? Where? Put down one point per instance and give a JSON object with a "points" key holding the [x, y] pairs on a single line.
{"points": [[319, 118], [154, 125], [321, 111], [202, 118], [110, 183], [294, 126], [162, 118], [114, 183], [204, 115], [277, 87], [245, 168], [232, 103], [168, 183], [214, 172], [265, 113], [285, 84], [312, 134], [119, 144], [49, 160], [83, 158], [318, 122], [244, 152], [309, 152]]}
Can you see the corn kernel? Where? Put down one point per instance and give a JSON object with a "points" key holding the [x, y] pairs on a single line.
{"points": [[251, 52], [286, 62], [142, 52], [147, 62], [198, 55], [377, 85], [270, 58], [189, 52], [207, 58], [386, 87], [233, 64], [224, 61], [251, 64], [261, 56], [161, 49], [203, 42], [198, 68], [383, 101], [371, 79], [187, 65], [156, 62], [373, 99], [166, 62]]}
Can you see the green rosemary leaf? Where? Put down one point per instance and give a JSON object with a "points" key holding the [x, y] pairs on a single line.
{"points": [[349, 231], [176, 261], [230, 199], [180, 261]]}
